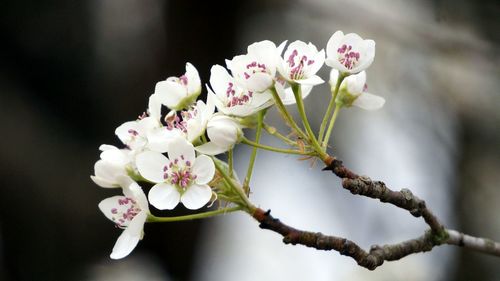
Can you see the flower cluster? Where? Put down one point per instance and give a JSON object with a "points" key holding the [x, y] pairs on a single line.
{"points": [[172, 145]]}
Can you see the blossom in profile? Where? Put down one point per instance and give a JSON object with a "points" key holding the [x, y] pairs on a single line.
{"points": [[300, 63], [181, 177], [349, 53], [178, 92], [256, 70], [112, 165], [352, 92], [224, 132], [128, 212]]}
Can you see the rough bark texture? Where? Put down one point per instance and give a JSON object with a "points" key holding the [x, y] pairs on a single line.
{"points": [[361, 185]]}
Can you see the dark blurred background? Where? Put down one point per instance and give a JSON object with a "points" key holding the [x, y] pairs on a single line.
{"points": [[72, 71]]}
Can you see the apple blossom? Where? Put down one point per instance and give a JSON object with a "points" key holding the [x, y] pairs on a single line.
{"points": [[112, 165], [179, 178], [128, 212], [231, 98], [179, 92], [349, 53], [301, 62], [224, 132], [256, 70], [352, 91]]}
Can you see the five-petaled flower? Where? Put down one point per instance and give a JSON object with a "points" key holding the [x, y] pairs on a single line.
{"points": [[353, 92], [256, 70], [233, 99], [180, 178], [300, 63], [349, 53], [128, 212]]}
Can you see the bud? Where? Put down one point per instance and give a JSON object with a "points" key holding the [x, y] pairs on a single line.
{"points": [[224, 132], [352, 91]]}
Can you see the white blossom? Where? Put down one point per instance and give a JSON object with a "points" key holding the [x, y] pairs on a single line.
{"points": [[224, 132], [128, 212], [231, 98], [112, 165], [352, 91], [178, 92], [256, 70], [300, 63], [145, 133], [179, 178], [349, 53]]}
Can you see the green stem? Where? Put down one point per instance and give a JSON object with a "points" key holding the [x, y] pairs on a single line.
{"points": [[152, 218], [330, 127], [272, 131], [251, 163], [230, 161], [330, 106], [297, 92], [244, 203], [285, 114], [275, 149]]}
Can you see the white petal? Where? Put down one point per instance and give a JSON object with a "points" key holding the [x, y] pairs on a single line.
{"points": [[319, 60], [196, 196], [129, 238], [334, 76], [211, 148], [164, 196], [147, 124], [111, 203], [367, 56], [204, 169], [369, 101], [194, 82], [102, 182], [219, 79], [332, 46], [312, 80], [107, 172], [123, 131], [154, 106], [259, 82], [133, 190], [356, 83], [194, 129], [159, 138], [170, 93], [180, 148], [150, 165]]}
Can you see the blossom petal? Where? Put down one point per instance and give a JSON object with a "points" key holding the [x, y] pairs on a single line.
{"points": [[164, 196], [312, 80], [211, 148], [102, 182], [181, 149], [170, 93], [219, 79], [150, 165], [196, 196], [133, 190], [333, 45], [159, 138], [369, 101], [204, 169], [130, 237]]}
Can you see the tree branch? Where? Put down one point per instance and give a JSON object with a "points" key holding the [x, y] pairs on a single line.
{"points": [[360, 185]]}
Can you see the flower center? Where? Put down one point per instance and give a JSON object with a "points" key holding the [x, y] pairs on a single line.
{"points": [[126, 211], [254, 67], [347, 57], [178, 172], [297, 64], [236, 96], [179, 121]]}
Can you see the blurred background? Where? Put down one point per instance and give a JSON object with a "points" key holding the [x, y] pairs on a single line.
{"points": [[72, 71]]}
